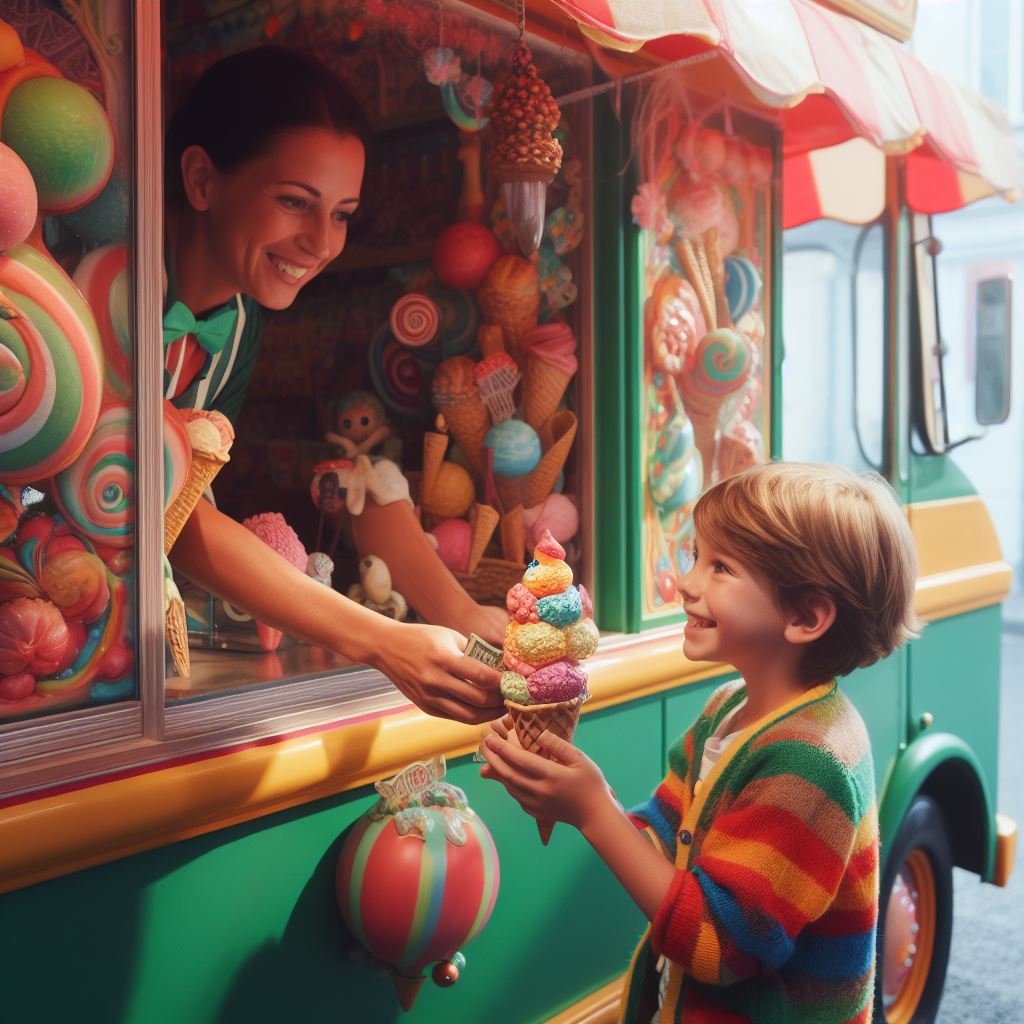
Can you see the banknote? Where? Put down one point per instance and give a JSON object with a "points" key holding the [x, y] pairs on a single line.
{"points": [[485, 652]]}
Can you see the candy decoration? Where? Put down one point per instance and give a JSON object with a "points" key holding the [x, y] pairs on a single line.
{"points": [[459, 320], [76, 581], [720, 370], [102, 276], [463, 253], [415, 319], [417, 876], [177, 453], [742, 286], [50, 331], [274, 531], [33, 637], [64, 136], [398, 377], [19, 203], [466, 100], [96, 493]]}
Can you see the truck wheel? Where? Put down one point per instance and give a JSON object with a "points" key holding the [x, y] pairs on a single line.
{"points": [[915, 921]]}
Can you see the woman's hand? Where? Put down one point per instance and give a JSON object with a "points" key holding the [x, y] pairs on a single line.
{"points": [[428, 665], [569, 788]]}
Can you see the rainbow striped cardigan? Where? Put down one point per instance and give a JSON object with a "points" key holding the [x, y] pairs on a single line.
{"points": [[771, 916]]}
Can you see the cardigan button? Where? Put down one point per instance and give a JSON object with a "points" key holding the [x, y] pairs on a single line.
{"points": [[685, 837]]}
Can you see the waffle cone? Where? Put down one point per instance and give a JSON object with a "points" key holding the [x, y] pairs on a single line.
{"points": [[469, 422], [490, 339], [513, 535], [176, 631], [513, 310], [535, 170], [541, 482], [434, 447], [530, 720], [542, 391], [703, 411], [204, 468], [510, 491], [482, 521]]}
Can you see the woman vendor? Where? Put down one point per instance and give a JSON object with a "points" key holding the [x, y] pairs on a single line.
{"points": [[264, 163]]}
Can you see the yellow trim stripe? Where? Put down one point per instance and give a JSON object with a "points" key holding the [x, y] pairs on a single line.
{"points": [[600, 1007], [960, 562], [961, 566]]}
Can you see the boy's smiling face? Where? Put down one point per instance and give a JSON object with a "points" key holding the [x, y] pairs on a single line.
{"points": [[733, 611]]}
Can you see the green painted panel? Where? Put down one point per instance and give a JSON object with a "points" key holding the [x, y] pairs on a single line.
{"points": [[877, 693], [241, 925], [934, 477], [954, 675]]}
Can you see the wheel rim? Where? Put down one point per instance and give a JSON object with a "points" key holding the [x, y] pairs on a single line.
{"points": [[910, 922]]}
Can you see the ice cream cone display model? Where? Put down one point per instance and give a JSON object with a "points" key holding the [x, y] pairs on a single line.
{"points": [[525, 156], [720, 369], [525, 473], [420, 837], [456, 397], [175, 624], [210, 435], [509, 297], [447, 489], [551, 630], [496, 377], [549, 361], [272, 529]]}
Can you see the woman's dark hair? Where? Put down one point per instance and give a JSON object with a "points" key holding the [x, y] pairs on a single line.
{"points": [[243, 102]]}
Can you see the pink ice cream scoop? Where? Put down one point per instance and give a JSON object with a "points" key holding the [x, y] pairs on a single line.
{"points": [[274, 531], [553, 343], [561, 680]]}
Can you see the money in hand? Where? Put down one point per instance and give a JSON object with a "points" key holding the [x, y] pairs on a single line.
{"points": [[485, 652]]}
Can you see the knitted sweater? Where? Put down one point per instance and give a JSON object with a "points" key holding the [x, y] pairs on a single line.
{"points": [[771, 916]]}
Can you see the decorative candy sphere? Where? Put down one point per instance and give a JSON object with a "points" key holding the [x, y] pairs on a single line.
{"points": [[18, 202], [516, 447], [463, 253], [454, 538], [452, 493], [674, 473], [64, 136], [445, 974], [417, 876]]}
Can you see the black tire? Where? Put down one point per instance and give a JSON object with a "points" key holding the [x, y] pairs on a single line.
{"points": [[918, 874]]}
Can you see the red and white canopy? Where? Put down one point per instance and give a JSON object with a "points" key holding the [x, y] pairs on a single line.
{"points": [[832, 79]]}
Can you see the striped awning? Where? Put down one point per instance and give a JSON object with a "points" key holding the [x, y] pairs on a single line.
{"points": [[832, 79]]}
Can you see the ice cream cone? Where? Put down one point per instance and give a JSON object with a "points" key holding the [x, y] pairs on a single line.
{"points": [[468, 420], [542, 390], [482, 521], [176, 631], [510, 491], [530, 720], [510, 298], [434, 447], [540, 483], [703, 412], [490, 339], [205, 466], [513, 535]]}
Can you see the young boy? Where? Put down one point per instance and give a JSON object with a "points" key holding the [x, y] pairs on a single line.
{"points": [[756, 859]]}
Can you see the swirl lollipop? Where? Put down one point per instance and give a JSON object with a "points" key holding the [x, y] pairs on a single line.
{"points": [[96, 493], [397, 375], [177, 453], [103, 278], [415, 320], [46, 327], [720, 369]]}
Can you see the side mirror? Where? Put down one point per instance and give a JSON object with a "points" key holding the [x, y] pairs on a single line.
{"points": [[993, 301]]}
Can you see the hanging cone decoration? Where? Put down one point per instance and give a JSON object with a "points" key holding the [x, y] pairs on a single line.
{"points": [[524, 114]]}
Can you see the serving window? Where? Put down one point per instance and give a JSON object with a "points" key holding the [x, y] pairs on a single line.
{"points": [[376, 357]]}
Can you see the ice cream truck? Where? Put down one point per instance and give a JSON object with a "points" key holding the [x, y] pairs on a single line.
{"points": [[720, 246]]}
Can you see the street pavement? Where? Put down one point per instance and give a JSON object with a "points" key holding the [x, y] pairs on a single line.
{"points": [[985, 983]]}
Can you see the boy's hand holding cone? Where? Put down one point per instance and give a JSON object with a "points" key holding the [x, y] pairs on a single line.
{"points": [[551, 630]]}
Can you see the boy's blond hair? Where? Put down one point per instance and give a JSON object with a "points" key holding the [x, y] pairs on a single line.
{"points": [[822, 529]]}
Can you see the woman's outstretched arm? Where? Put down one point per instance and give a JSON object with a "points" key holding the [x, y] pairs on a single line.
{"points": [[425, 662]]}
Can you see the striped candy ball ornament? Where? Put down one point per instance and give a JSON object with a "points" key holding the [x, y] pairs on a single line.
{"points": [[102, 276], [417, 876], [415, 319], [49, 409]]}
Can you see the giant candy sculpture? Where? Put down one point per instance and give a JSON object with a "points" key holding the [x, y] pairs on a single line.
{"points": [[417, 878]]}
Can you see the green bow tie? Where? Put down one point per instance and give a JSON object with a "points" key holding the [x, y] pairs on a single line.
{"points": [[211, 332]]}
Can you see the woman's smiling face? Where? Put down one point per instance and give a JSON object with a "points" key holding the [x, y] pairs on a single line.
{"points": [[277, 220]]}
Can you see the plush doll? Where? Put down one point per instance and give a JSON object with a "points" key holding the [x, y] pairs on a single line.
{"points": [[361, 427]]}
